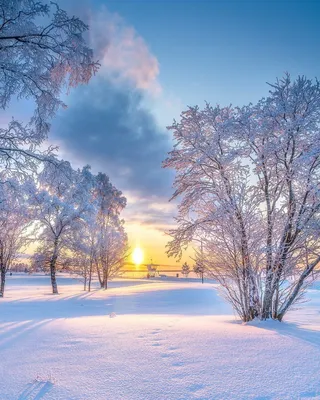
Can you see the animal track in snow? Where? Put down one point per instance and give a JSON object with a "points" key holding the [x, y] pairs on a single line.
{"points": [[155, 332], [196, 387], [178, 364], [166, 355]]}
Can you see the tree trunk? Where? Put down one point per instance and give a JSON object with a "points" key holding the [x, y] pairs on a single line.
{"points": [[90, 277], [53, 268], [3, 281], [85, 282], [267, 298], [276, 304], [309, 268], [105, 283], [53, 276], [99, 276]]}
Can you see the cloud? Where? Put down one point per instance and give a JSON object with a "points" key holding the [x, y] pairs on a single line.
{"points": [[123, 54], [151, 211], [107, 126]]}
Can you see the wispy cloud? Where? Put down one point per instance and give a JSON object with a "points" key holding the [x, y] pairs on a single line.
{"points": [[123, 54], [151, 211]]}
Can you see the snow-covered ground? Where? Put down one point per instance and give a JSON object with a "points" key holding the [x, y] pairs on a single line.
{"points": [[167, 340]]}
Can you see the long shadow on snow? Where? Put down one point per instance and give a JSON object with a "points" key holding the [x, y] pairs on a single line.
{"points": [[193, 301], [36, 390], [19, 330], [24, 280], [288, 329]]}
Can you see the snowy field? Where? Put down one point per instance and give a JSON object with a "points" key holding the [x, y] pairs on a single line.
{"points": [[170, 339]]}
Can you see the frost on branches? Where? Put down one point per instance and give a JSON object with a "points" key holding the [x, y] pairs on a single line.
{"points": [[38, 60], [111, 241], [185, 270], [199, 269], [248, 180], [79, 225], [61, 204], [42, 53], [100, 245], [19, 150], [15, 218]]}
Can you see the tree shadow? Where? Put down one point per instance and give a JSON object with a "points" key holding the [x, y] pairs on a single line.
{"points": [[309, 395], [289, 329], [36, 390], [293, 330], [194, 302], [18, 329]]}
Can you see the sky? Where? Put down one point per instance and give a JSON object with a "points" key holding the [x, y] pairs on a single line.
{"points": [[157, 57]]}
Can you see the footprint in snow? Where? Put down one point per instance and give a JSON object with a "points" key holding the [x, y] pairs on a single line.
{"points": [[155, 332], [180, 376], [178, 364], [166, 355], [196, 387]]}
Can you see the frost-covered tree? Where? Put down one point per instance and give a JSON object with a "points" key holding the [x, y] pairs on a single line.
{"points": [[111, 241], [62, 204], [84, 248], [15, 217], [19, 150], [112, 251], [199, 269], [100, 244], [249, 182], [185, 270], [42, 52]]}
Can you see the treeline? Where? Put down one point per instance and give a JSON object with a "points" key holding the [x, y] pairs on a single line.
{"points": [[73, 215]]}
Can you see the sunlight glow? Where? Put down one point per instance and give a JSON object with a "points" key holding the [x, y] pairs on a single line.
{"points": [[137, 256]]}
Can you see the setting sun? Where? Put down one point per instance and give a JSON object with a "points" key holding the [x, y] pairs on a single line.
{"points": [[137, 256]]}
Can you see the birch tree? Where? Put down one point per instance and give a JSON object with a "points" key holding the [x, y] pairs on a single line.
{"points": [[15, 217], [100, 243], [112, 251], [111, 242], [84, 249], [248, 182], [62, 205]]}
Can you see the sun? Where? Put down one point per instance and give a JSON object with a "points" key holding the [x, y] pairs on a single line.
{"points": [[137, 256]]}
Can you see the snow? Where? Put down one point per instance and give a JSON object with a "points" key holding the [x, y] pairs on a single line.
{"points": [[166, 339]]}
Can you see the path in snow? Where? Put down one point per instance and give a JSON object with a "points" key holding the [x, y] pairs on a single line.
{"points": [[169, 340]]}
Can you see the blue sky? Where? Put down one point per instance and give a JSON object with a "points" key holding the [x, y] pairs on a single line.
{"points": [[157, 57], [224, 51]]}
